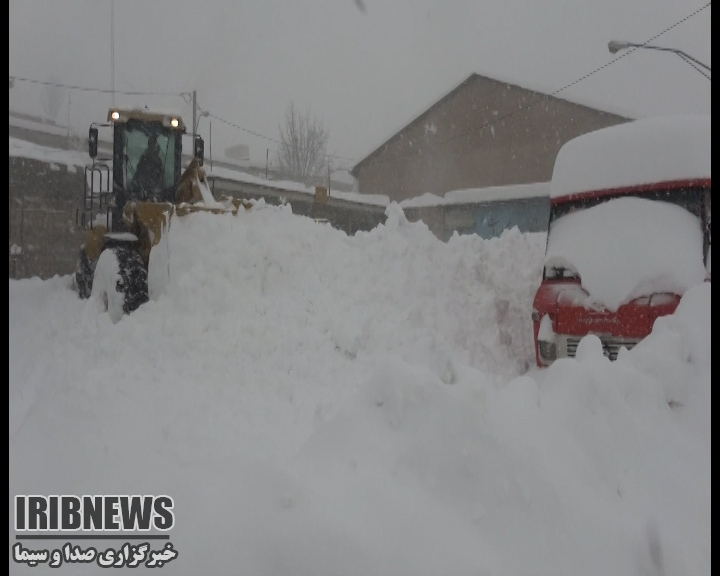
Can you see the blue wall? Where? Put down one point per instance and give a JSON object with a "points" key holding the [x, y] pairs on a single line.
{"points": [[489, 219], [527, 215]]}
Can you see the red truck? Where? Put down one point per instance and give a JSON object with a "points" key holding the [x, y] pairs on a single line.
{"points": [[629, 233]]}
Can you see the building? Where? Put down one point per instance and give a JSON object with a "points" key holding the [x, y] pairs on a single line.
{"points": [[483, 211], [484, 133]]}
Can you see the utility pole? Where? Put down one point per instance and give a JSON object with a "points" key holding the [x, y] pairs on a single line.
{"points": [[210, 145], [194, 118], [112, 52], [68, 120], [267, 157]]}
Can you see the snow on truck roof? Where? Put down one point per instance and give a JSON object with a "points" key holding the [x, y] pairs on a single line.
{"points": [[659, 149]]}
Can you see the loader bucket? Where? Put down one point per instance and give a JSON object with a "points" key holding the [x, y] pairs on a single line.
{"points": [[149, 221]]}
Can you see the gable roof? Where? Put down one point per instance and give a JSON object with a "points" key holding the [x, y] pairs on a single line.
{"points": [[469, 80]]}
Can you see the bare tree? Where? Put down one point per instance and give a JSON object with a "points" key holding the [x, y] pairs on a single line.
{"points": [[303, 141], [52, 97]]}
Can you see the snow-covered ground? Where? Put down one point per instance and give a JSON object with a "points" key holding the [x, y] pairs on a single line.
{"points": [[323, 404]]}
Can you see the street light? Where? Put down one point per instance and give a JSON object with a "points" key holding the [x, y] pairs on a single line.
{"points": [[616, 45]]}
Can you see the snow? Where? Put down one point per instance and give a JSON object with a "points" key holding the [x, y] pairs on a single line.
{"points": [[206, 194], [174, 111], [121, 236], [658, 149], [24, 149], [343, 176], [373, 199], [107, 275], [323, 404], [629, 247], [545, 331], [47, 127]]}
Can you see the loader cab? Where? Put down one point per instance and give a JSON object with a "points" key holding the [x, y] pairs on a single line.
{"points": [[135, 142], [137, 136], [111, 182]]}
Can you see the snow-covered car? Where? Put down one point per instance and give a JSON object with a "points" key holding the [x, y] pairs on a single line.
{"points": [[629, 233]]}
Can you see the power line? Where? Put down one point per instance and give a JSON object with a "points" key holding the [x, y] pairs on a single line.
{"points": [[544, 97], [275, 140], [483, 126], [632, 50], [209, 114], [694, 65], [186, 96], [99, 90]]}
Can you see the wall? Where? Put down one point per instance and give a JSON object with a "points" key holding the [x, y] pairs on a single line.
{"points": [[344, 215], [486, 219], [44, 197], [42, 202]]}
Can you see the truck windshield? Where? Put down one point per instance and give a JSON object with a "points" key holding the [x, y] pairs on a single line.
{"points": [[695, 200], [138, 140], [631, 245], [691, 198]]}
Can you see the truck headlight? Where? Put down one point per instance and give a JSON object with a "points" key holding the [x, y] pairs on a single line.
{"points": [[547, 351]]}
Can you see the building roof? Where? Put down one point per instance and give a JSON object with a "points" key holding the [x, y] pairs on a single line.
{"points": [[469, 80]]}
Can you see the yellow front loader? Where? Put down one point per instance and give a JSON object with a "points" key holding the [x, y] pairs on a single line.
{"points": [[129, 202]]}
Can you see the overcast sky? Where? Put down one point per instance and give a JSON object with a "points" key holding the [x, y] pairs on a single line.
{"points": [[366, 72]]}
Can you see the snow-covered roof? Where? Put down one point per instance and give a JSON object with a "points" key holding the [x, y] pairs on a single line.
{"points": [[24, 149], [27, 149], [238, 176], [659, 149]]}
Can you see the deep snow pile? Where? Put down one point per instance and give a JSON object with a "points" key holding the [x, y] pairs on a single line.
{"points": [[324, 404], [669, 258]]}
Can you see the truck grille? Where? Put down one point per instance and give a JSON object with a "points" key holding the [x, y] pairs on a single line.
{"points": [[611, 345]]}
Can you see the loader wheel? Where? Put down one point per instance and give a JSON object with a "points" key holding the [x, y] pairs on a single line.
{"points": [[120, 282], [84, 275]]}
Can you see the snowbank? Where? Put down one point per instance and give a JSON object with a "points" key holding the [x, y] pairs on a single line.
{"points": [[70, 158], [629, 247], [323, 404]]}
